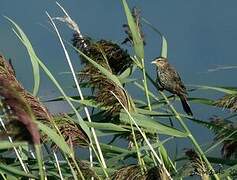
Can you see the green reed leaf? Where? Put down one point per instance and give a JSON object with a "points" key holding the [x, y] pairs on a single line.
{"points": [[151, 125], [137, 39], [33, 57], [56, 138]]}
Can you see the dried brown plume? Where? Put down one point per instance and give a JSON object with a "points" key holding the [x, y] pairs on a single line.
{"points": [[199, 167], [22, 108], [228, 101], [225, 129], [16, 105], [72, 132], [114, 59], [7, 78], [133, 172]]}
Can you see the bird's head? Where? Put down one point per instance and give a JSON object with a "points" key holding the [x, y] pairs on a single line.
{"points": [[160, 61]]}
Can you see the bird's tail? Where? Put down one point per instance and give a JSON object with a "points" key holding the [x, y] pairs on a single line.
{"points": [[185, 105]]}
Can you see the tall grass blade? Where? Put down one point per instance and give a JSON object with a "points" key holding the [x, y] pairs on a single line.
{"points": [[33, 57], [78, 87], [137, 39], [42, 174], [48, 73], [58, 166]]}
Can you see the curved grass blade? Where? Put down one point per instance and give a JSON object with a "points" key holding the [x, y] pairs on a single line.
{"points": [[164, 44], [33, 57]]}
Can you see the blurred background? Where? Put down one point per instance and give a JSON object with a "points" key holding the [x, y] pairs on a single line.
{"points": [[201, 35]]}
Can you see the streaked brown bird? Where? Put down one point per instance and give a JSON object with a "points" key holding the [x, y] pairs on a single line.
{"points": [[169, 79]]}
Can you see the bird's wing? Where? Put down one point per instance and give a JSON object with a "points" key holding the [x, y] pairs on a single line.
{"points": [[175, 78]]}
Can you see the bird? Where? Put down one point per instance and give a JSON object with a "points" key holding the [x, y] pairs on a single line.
{"points": [[168, 79]]}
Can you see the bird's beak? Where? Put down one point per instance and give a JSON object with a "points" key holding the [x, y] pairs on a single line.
{"points": [[153, 62]]}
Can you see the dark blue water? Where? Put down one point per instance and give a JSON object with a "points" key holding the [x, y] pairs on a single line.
{"points": [[202, 35]]}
